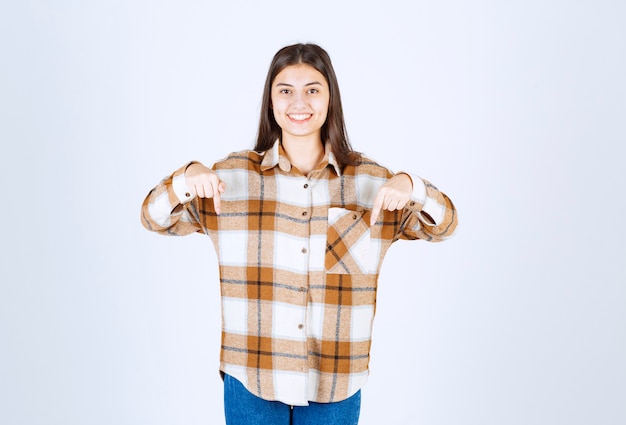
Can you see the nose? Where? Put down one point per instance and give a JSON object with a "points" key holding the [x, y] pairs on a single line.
{"points": [[298, 99]]}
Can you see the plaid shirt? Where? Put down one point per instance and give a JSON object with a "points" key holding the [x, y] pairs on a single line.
{"points": [[299, 265]]}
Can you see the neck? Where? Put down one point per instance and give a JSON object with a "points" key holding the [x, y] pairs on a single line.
{"points": [[304, 154]]}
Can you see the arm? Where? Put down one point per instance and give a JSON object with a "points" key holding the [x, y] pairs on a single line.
{"points": [[171, 207], [427, 212]]}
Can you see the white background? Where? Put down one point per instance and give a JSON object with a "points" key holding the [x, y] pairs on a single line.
{"points": [[515, 109]]}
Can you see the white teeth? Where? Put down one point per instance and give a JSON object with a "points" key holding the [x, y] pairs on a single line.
{"points": [[299, 117]]}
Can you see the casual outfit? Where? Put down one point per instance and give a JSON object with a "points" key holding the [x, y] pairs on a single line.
{"points": [[298, 264]]}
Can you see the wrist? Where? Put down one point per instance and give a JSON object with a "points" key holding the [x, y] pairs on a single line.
{"points": [[189, 165]]}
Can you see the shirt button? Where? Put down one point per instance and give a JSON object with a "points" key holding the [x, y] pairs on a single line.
{"points": [[187, 195], [306, 185], [304, 213], [412, 203], [304, 250], [302, 289], [300, 326]]}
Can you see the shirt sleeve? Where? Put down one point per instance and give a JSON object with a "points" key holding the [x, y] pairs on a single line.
{"points": [[169, 207], [429, 215]]}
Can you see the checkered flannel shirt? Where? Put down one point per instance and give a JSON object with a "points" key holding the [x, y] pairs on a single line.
{"points": [[298, 265]]}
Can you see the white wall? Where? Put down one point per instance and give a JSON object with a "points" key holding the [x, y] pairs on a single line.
{"points": [[515, 109]]}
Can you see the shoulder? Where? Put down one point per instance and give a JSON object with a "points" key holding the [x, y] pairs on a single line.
{"points": [[245, 160], [367, 166]]}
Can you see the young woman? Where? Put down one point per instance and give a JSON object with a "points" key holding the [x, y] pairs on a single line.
{"points": [[300, 225]]}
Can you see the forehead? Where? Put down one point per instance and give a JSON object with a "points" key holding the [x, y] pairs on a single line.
{"points": [[299, 74]]}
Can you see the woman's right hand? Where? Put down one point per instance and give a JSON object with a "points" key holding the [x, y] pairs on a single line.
{"points": [[204, 183]]}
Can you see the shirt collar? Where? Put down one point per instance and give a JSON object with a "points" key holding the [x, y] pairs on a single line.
{"points": [[276, 156]]}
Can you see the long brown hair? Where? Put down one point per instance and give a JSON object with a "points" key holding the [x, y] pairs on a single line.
{"points": [[334, 129]]}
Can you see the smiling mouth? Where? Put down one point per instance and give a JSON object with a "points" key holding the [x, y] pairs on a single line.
{"points": [[299, 117]]}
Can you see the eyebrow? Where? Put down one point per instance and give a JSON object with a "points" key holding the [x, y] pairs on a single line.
{"points": [[313, 83]]}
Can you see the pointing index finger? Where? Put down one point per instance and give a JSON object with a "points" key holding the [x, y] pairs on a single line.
{"points": [[216, 185], [378, 203]]}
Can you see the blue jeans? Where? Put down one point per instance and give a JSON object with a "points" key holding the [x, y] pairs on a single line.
{"points": [[244, 408]]}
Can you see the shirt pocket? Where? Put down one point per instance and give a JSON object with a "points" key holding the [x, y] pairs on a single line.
{"points": [[347, 242]]}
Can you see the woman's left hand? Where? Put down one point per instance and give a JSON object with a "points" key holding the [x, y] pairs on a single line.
{"points": [[393, 195]]}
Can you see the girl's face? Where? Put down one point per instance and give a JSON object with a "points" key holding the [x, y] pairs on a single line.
{"points": [[300, 97]]}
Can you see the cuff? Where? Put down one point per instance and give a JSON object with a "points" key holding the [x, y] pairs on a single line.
{"points": [[423, 204], [179, 184], [419, 188]]}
